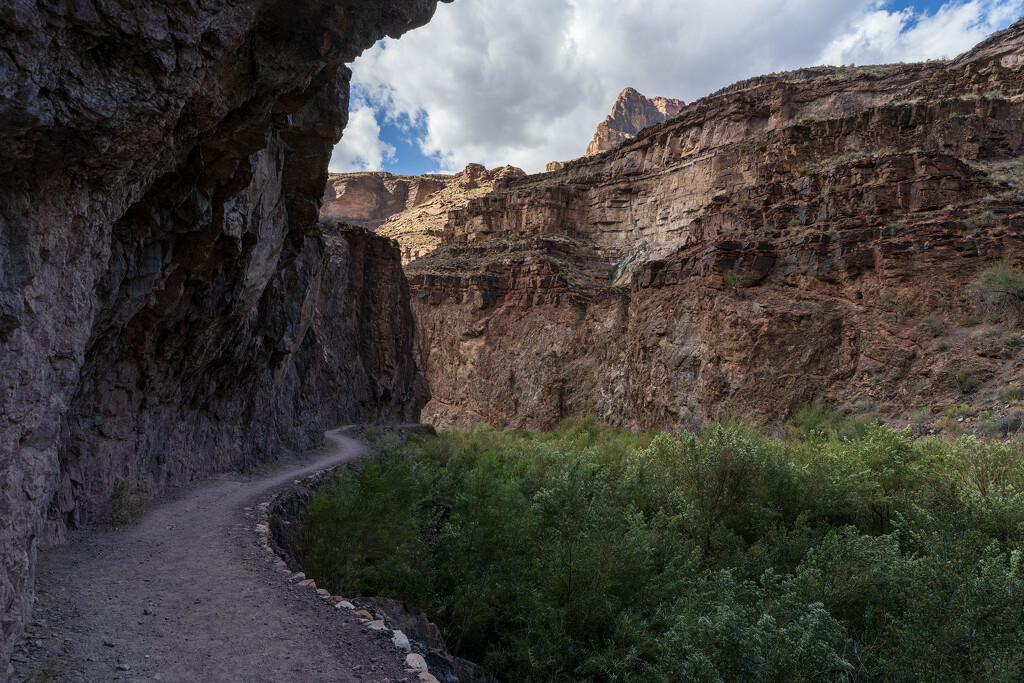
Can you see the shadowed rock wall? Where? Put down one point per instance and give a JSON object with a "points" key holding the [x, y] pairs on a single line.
{"points": [[169, 306]]}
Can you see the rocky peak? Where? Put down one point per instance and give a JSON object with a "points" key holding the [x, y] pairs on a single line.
{"points": [[507, 172], [632, 113], [474, 174]]}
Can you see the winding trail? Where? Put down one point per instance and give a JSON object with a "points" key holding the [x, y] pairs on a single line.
{"points": [[187, 594]]}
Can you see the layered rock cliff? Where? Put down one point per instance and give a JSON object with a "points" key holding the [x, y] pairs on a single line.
{"points": [[169, 305], [631, 113], [412, 210], [369, 199], [819, 234]]}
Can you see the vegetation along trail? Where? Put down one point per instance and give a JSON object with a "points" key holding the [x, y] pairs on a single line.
{"points": [[844, 551], [186, 594]]}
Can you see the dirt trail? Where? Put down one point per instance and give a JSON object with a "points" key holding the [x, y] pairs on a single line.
{"points": [[187, 594]]}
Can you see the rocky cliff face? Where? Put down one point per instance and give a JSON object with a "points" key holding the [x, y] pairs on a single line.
{"points": [[412, 210], [169, 306], [631, 113], [369, 199], [818, 234]]}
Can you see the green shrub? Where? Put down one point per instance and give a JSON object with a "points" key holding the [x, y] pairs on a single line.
{"points": [[904, 306], [594, 554], [959, 410], [965, 381], [366, 529], [949, 426], [982, 220], [921, 416], [48, 671], [129, 500], [816, 418], [1011, 394], [1004, 279], [968, 321], [942, 346], [933, 324], [735, 281], [987, 332], [1013, 339], [990, 427]]}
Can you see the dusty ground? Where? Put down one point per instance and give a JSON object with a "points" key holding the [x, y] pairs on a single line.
{"points": [[187, 594]]}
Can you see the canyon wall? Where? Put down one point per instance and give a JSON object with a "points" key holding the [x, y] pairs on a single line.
{"points": [[369, 199], [812, 235], [169, 304], [411, 210]]}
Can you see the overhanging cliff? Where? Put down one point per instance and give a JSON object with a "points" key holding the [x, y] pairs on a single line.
{"points": [[169, 304]]}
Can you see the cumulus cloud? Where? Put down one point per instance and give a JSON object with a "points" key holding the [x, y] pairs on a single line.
{"points": [[883, 36], [526, 82], [361, 148]]}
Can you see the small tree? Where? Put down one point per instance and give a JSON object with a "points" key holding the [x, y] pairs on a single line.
{"points": [[1003, 278]]}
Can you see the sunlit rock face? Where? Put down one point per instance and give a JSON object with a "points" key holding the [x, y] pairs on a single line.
{"points": [[369, 199], [169, 304], [817, 234], [411, 210], [631, 114]]}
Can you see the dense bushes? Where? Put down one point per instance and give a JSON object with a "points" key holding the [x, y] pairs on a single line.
{"points": [[595, 554]]}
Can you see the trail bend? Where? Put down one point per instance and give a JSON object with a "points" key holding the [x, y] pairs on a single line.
{"points": [[187, 594]]}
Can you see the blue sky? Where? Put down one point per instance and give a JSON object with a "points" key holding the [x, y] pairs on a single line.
{"points": [[926, 7], [408, 158], [526, 82]]}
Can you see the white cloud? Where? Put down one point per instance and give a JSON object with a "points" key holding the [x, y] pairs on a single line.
{"points": [[882, 36], [526, 81], [361, 148]]}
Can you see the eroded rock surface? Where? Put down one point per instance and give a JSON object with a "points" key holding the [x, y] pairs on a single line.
{"points": [[817, 234], [169, 306], [369, 199], [412, 210], [631, 113]]}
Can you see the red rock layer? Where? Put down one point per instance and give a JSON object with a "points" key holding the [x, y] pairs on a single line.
{"points": [[813, 235]]}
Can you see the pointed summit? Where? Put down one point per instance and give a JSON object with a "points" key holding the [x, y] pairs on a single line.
{"points": [[632, 113]]}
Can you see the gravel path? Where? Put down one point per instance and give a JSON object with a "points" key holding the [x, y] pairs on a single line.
{"points": [[187, 594]]}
